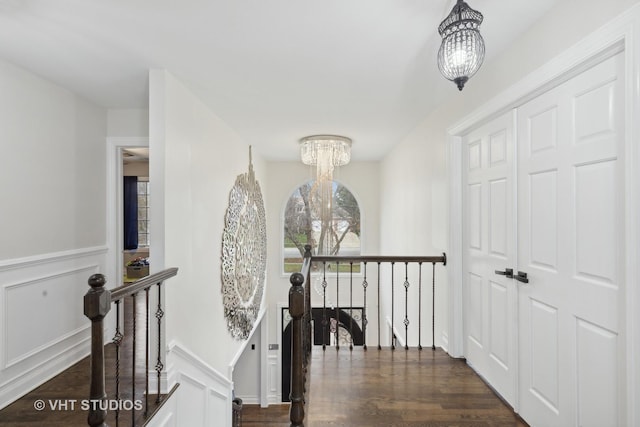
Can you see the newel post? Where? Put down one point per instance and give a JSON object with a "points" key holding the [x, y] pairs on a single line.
{"points": [[97, 303], [296, 310], [307, 310]]}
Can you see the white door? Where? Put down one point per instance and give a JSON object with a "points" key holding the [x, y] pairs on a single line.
{"points": [[489, 247], [570, 244]]}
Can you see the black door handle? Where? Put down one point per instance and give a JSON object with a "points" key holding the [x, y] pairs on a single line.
{"points": [[521, 277], [507, 272]]}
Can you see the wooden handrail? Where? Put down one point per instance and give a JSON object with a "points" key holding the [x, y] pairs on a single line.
{"points": [[141, 284], [97, 304], [378, 258]]}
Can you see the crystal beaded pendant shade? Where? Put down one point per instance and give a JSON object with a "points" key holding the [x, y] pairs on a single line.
{"points": [[462, 50], [326, 153]]}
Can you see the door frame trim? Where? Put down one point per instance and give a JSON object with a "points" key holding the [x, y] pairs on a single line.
{"points": [[620, 35], [114, 202]]}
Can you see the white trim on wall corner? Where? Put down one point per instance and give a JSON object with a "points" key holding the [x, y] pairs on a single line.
{"points": [[396, 333], [179, 350]]}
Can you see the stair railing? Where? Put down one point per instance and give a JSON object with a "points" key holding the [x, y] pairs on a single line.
{"points": [[97, 304], [300, 308]]}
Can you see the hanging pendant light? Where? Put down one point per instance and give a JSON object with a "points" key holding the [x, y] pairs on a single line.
{"points": [[326, 153], [462, 50]]}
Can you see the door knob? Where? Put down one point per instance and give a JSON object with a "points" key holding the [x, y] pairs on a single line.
{"points": [[521, 277], [507, 272]]}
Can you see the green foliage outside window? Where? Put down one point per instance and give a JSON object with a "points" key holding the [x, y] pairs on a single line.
{"points": [[339, 235]]}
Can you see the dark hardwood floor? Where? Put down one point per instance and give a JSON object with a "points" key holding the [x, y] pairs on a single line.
{"points": [[392, 388], [360, 388], [59, 401]]}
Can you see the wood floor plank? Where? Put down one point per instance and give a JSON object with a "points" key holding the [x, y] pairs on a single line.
{"points": [[393, 388], [72, 387]]}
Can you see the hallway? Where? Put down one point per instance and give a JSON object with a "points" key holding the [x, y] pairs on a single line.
{"points": [[392, 388]]}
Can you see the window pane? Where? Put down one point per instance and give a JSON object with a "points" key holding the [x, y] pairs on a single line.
{"points": [[337, 234]]}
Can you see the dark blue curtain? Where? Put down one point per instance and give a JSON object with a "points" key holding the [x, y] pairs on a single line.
{"points": [[130, 212]]}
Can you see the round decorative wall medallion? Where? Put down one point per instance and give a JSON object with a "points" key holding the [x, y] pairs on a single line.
{"points": [[244, 254]]}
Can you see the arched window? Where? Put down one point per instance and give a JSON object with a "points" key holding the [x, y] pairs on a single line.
{"points": [[338, 233]]}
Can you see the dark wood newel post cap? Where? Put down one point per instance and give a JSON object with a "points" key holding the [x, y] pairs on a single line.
{"points": [[296, 279], [97, 281], [296, 296], [97, 301]]}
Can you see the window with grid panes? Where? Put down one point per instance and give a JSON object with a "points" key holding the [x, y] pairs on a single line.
{"points": [[143, 211]]}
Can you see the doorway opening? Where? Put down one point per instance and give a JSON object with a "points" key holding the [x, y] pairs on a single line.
{"points": [[135, 213]]}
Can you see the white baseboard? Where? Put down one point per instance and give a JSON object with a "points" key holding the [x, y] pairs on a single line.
{"points": [[18, 386], [43, 330]]}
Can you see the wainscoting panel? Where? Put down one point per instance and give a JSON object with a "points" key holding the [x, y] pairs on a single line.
{"points": [[274, 393], [59, 296], [166, 416], [204, 396], [43, 329]]}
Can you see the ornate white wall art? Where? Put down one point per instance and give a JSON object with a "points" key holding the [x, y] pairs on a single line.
{"points": [[244, 254]]}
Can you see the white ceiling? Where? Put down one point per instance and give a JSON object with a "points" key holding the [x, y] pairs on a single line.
{"points": [[273, 70]]}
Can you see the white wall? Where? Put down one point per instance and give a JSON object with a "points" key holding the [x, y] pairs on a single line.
{"points": [[52, 223], [127, 122], [362, 179], [52, 167], [194, 164], [247, 372], [424, 150]]}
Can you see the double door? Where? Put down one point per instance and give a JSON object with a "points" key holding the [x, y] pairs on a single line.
{"points": [[543, 244]]}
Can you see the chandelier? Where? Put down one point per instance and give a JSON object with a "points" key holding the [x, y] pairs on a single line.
{"points": [[326, 153], [462, 50]]}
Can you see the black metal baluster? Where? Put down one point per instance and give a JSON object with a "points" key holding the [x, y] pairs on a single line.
{"points": [[433, 307], [379, 345], [117, 341], [420, 306], [406, 306], [133, 356], [146, 353], [364, 310], [337, 333], [393, 332], [351, 305], [159, 315], [324, 305]]}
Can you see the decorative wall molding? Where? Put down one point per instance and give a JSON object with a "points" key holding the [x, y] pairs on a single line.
{"points": [[31, 261], [18, 385], [9, 361], [203, 390], [273, 396], [34, 290]]}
